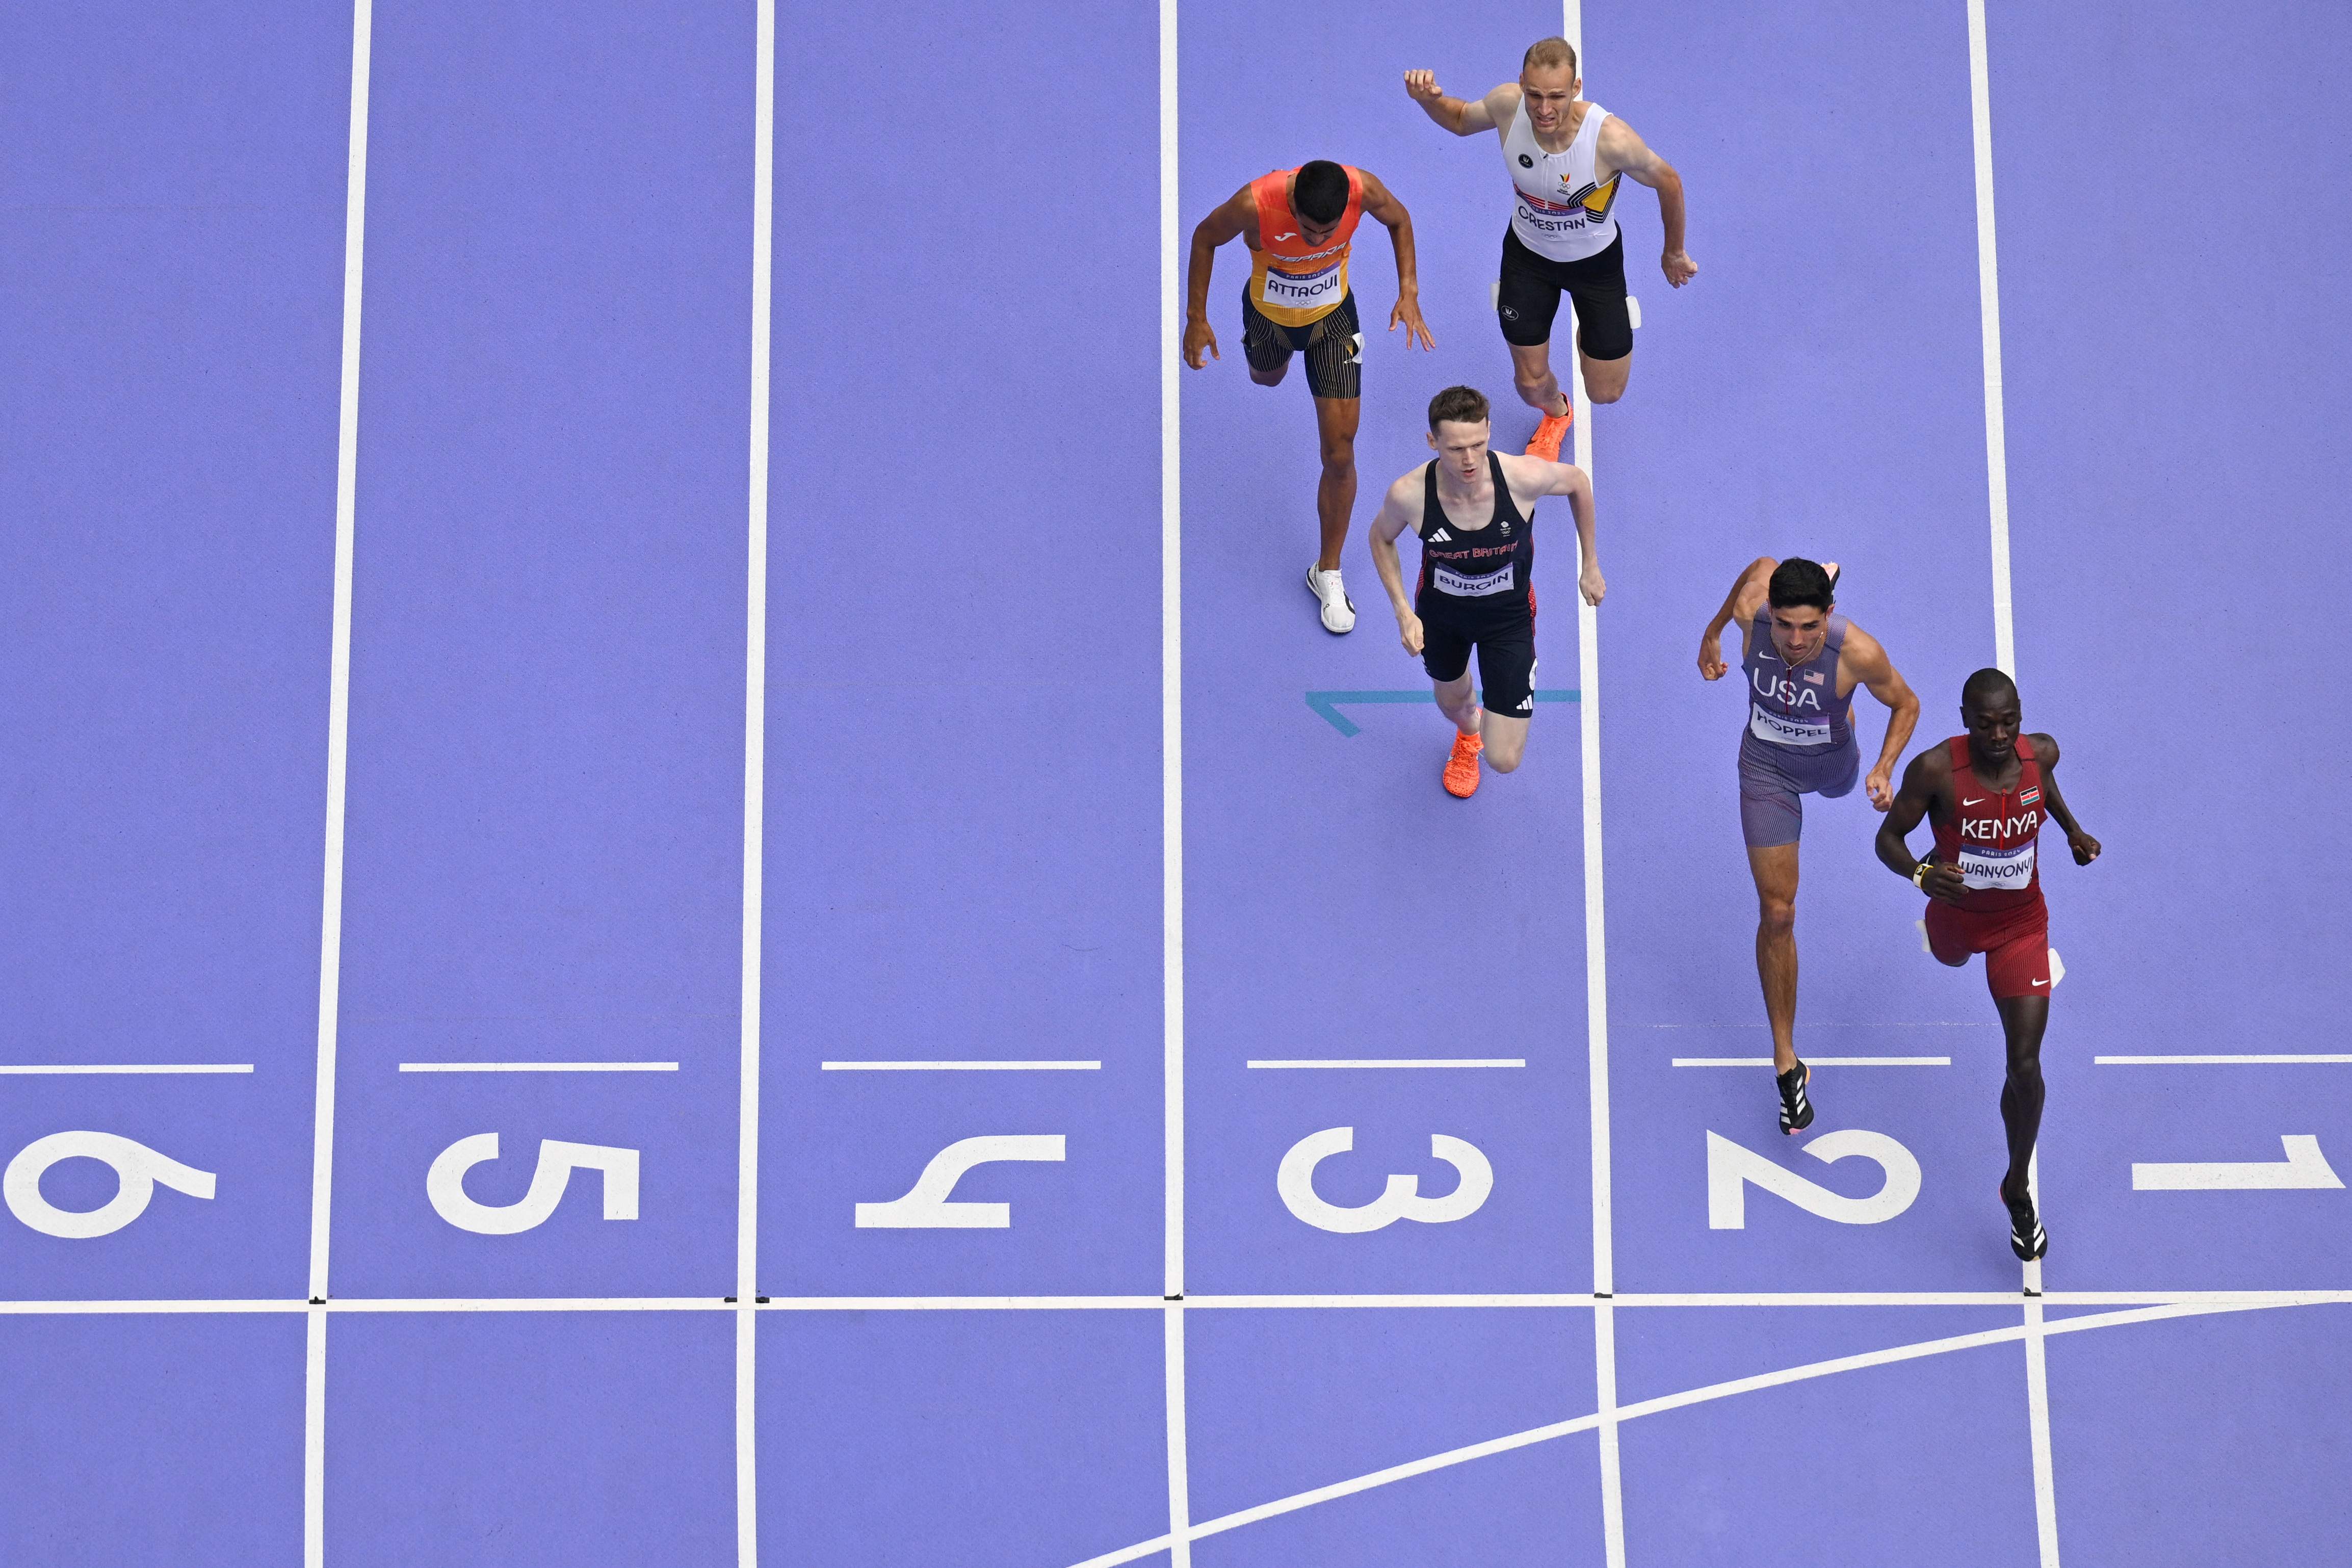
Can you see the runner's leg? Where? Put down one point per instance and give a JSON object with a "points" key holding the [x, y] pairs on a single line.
{"points": [[2022, 1019], [1531, 373], [1459, 702], [1605, 379], [1775, 870], [1335, 494], [1507, 741]]}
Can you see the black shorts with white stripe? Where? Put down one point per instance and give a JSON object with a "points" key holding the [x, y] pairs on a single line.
{"points": [[1333, 343]]}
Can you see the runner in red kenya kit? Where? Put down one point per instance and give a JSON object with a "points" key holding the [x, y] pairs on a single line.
{"points": [[1986, 793]]}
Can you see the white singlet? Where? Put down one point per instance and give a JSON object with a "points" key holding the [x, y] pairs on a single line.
{"points": [[1558, 211]]}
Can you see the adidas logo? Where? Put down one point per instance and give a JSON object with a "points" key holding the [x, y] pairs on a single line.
{"points": [[1441, 537], [1527, 703]]}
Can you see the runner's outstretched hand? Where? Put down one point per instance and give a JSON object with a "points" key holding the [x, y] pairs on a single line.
{"points": [[1408, 315], [1589, 584], [1710, 657], [1198, 335], [1880, 787], [2085, 847], [1408, 632], [1678, 268], [1422, 87]]}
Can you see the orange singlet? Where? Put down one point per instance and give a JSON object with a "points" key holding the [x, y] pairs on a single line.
{"points": [[1292, 283]]}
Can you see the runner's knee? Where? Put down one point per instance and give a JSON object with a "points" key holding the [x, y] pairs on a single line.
{"points": [[1339, 456], [1775, 915]]}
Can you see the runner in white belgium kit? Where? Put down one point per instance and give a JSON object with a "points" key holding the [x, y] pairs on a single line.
{"points": [[1565, 158]]}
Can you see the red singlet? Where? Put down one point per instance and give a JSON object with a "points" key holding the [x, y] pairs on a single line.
{"points": [[1992, 839]]}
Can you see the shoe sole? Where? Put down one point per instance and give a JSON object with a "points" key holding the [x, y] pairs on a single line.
{"points": [[1334, 631]]}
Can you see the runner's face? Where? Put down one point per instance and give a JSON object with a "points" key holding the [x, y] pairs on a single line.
{"points": [[1797, 631], [1548, 90], [1461, 448], [1993, 723]]}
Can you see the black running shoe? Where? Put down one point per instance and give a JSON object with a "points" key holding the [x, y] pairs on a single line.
{"points": [[1795, 1111], [2026, 1237]]}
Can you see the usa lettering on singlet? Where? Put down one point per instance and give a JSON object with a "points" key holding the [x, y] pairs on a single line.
{"points": [[1796, 706], [1292, 283], [1480, 572], [1559, 210], [1993, 832]]}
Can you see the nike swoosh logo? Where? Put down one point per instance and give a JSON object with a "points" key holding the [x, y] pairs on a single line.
{"points": [[2041, 982], [1979, 801]]}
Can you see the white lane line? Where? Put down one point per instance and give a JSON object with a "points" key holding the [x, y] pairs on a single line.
{"points": [[1596, 959], [2004, 639], [2329, 1059], [1180, 1484], [1657, 1406], [960, 1067], [339, 707], [539, 1067], [1397, 1062], [755, 788], [314, 1437], [79, 1068], [1171, 676], [1171, 800], [1816, 1061]]}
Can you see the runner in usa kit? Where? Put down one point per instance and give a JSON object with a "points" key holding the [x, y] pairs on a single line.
{"points": [[1473, 511], [1565, 158], [1987, 794], [1803, 660], [1299, 225]]}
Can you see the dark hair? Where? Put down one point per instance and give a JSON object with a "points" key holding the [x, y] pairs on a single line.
{"points": [[1798, 581], [1463, 405], [1321, 193], [1987, 685], [1549, 52]]}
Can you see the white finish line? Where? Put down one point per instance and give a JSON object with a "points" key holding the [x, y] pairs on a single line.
{"points": [[1397, 1062], [539, 1067], [2267, 1061], [1816, 1061], [129, 1067], [961, 1067]]}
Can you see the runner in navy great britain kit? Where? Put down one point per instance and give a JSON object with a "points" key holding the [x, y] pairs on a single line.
{"points": [[1473, 510], [1803, 660], [1987, 794]]}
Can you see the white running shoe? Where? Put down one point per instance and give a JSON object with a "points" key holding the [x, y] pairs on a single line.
{"points": [[1339, 610]]}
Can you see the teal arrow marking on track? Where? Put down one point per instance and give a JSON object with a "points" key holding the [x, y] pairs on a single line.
{"points": [[1329, 703]]}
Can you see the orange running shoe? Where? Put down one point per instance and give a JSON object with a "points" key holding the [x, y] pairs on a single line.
{"points": [[1462, 767], [1544, 442]]}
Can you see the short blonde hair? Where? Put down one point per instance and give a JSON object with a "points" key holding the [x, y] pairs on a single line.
{"points": [[1549, 52]]}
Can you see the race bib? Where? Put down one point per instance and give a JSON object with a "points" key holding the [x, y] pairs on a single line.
{"points": [[1471, 587], [1785, 731], [2008, 870], [1303, 290]]}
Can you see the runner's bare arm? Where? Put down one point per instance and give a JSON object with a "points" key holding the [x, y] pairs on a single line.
{"points": [[1621, 148], [1535, 479], [1740, 607], [1927, 779], [1399, 510], [1867, 659], [1235, 216], [1463, 116], [2085, 847], [1381, 205]]}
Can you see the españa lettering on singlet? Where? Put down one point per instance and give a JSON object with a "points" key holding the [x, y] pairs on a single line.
{"points": [[1558, 209], [1475, 574], [1992, 834], [1292, 283], [1796, 706]]}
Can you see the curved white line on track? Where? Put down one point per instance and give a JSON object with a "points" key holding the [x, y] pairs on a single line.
{"points": [[1663, 1403]]}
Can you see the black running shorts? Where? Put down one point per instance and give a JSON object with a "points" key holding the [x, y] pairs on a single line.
{"points": [[1530, 294], [1334, 345], [1507, 661]]}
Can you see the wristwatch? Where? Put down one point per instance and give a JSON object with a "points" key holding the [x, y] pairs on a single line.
{"points": [[1919, 875]]}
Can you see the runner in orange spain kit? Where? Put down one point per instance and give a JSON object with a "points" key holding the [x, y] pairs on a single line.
{"points": [[1299, 225], [1987, 794]]}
